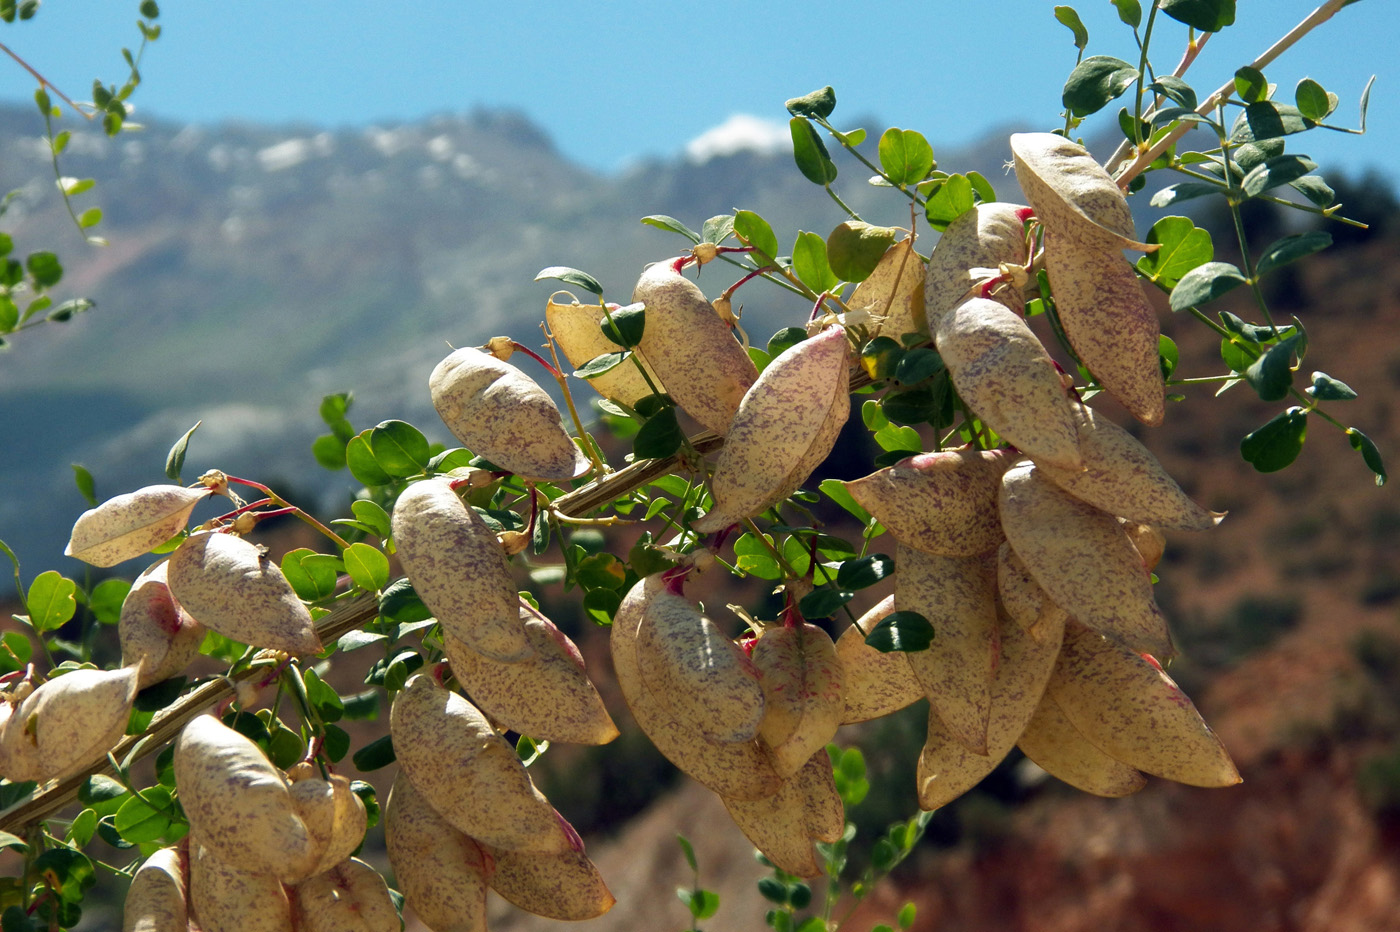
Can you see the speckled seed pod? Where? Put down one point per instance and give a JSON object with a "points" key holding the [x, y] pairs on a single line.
{"points": [[467, 772], [156, 634], [67, 724], [894, 292], [1058, 748], [228, 584], [578, 332], [349, 897], [547, 696], [1123, 478], [459, 570], [803, 692], [1004, 374], [947, 769], [1110, 323], [699, 674], [1021, 597], [129, 525], [876, 683], [1127, 707], [785, 426], [565, 885], [500, 413], [826, 813], [226, 899], [335, 818], [441, 872], [686, 343], [778, 824], [1069, 190], [239, 805], [942, 503], [1150, 543], [1083, 560], [742, 770], [982, 238], [155, 901], [958, 597]]}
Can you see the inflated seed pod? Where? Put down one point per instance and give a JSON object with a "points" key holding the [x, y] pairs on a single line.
{"points": [[129, 525], [349, 897], [230, 585], [66, 724], [690, 348], [578, 331], [1058, 748], [547, 696], [826, 813], [441, 872], [239, 805], [894, 292], [1021, 597], [803, 692], [942, 503], [156, 634], [226, 899], [500, 413], [875, 683], [982, 239], [783, 429], [1125, 705], [467, 772], [459, 570], [1071, 191], [156, 900], [739, 770], [335, 818], [565, 885], [777, 826], [1083, 560], [1002, 371]]}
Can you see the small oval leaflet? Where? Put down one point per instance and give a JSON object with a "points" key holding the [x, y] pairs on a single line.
{"points": [[908, 632]]}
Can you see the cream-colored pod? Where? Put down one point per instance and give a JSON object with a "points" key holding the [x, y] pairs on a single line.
{"points": [[875, 683], [958, 597], [66, 724], [128, 525], [894, 292], [1071, 191], [1021, 597], [224, 898], [690, 348], [349, 897], [547, 696], [565, 885], [942, 503], [156, 633], [577, 328], [740, 770], [231, 586], [441, 872], [695, 670], [803, 692], [239, 805], [156, 900], [501, 413], [1130, 709], [1083, 560], [467, 772], [1004, 374], [976, 244], [1058, 748], [785, 426], [335, 818], [777, 826], [459, 570]]}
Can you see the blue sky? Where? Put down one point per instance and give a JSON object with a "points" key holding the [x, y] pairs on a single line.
{"points": [[613, 81]]}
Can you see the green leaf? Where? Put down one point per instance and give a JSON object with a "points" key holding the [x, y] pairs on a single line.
{"points": [[689, 851], [1274, 172], [1067, 17], [918, 364], [336, 743], [355, 639], [818, 104], [1314, 189], [374, 515], [905, 155], [44, 268], [362, 463], [907, 632], [1326, 388], [175, 459], [1290, 249], [378, 753], [333, 408], [810, 265], [105, 600], [80, 831], [1369, 453], [102, 794], [399, 448], [809, 152], [1277, 443], [51, 601], [659, 437], [323, 697], [368, 568], [880, 358], [1268, 120], [1205, 283], [15, 650], [329, 451], [835, 490], [717, 229], [573, 277], [1174, 194], [1312, 99], [1251, 84], [854, 248], [1167, 354], [601, 605], [400, 603], [754, 558], [1205, 15], [1094, 82], [662, 222], [1182, 246], [864, 572], [600, 364], [9, 314], [949, 201], [141, 820], [823, 602], [702, 904], [600, 571], [1270, 374], [905, 918], [90, 218], [312, 579], [625, 325], [86, 487], [1176, 90], [150, 9], [1130, 12], [754, 231], [159, 695]]}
